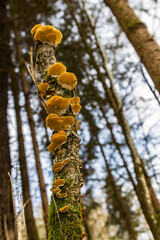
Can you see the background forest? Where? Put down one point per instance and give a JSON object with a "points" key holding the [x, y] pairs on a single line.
{"points": [[119, 119]]}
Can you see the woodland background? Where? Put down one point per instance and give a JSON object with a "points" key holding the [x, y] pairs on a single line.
{"points": [[109, 199]]}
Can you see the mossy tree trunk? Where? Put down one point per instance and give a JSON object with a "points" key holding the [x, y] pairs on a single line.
{"points": [[71, 220], [137, 33]]}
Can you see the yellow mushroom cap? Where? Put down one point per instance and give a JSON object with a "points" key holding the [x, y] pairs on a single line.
{"points": [[57, 140], [43, 87], [74, 100], [59, 137], [57, 104], [76, 108], [57, 167], [53, 121], [56, 69], [64, 209], [56, 190], [58, 183], [35, 28], [67, 80], [48, 34], [61, 195]]}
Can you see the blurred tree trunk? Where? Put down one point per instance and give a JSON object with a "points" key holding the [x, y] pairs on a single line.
{"points": [[116, 104], [30, 118], [30, 222], [70, 224], [137, 33], [123, 208], [7, 218]]}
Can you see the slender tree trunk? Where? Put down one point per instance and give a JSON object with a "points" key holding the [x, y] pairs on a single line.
{"points": [[30, 120], [137, 33], [7, 217], [6, 207], [124, 211], [115, 103], [30, 222], [71, 225]]}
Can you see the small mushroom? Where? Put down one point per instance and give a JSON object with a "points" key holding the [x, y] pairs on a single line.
{"points": [[47, 34], [56, 69], [57, 104], [57, 167], [57, 140], [58, 183], [61, 195], [67, 80], [53, 121], [35, 28], [43, 87], [64, 209]]}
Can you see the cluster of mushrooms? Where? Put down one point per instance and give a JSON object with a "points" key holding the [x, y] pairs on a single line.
{"points": [[57, 105]]}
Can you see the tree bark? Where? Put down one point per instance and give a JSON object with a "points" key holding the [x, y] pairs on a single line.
{"points": [[71, 225], [30, 222], [137, 33], [7, 217], [30, 120]]}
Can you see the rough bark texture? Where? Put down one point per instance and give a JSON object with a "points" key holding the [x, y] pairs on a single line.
{"points": [[71, 220], [7, 226], [115, 102], [30, 119], [137, 33], [30, 222]]}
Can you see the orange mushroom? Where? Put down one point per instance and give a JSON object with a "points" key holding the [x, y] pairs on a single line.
{"points": [[57, 140], [35, 28], [74, 100], [57, 104], [75, 105], [58, 183], [56, 190], [64, 209], [61, 195], [67, 80], [47, 34], [53, 121], [57, 167], [76, 108], [56, 69], [43, 87]]}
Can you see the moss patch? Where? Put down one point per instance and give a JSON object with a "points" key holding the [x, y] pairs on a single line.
{"points": [[134, 25], [71, 222]]}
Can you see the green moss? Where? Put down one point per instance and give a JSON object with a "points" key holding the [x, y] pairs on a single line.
{"points": [[134, 25], [71, 222]]}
